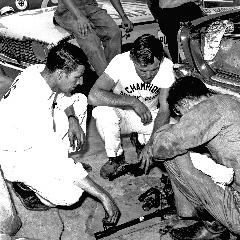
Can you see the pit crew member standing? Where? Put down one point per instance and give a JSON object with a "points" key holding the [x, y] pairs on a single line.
{"points": [[94, 29], [34, 139], [127, 96], [169, 14]]}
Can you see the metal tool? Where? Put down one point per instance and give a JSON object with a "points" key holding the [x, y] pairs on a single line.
{"points": [[111, 230], [150, 199]]}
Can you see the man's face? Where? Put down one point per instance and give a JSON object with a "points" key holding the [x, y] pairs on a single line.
{"points": [[147, 73], [68, 82]]}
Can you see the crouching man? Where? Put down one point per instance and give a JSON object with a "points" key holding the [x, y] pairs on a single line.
{"points": [[38, 118], [131, 96], [213, 121]]}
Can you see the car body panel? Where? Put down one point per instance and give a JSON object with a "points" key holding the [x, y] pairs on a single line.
{"points": [[39, 33], [27, 35], [221, 72], [11, 25]]}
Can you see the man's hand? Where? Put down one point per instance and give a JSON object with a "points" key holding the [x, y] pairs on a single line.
{"points": [[146, 158], [84, 25], [142, 111], [75, 132], [127, 24], [112, 211]]}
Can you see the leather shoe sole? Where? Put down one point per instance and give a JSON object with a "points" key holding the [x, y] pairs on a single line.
{"points": [[198, 231]]}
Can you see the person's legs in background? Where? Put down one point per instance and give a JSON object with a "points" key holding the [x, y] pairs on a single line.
{"points": [[169, 20], [90, 43], [107, 30], [169, 26]]}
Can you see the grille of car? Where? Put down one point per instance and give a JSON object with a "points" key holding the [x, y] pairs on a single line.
{"points": [[19, 50], [226, 81]]}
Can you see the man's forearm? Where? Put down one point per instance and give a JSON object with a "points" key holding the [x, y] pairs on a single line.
{"points": [[118, 6], [70, 111], [110, 99], [161, 119]]}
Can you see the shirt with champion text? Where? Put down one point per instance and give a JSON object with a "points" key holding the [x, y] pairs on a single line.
{"points": [[122, 70]]}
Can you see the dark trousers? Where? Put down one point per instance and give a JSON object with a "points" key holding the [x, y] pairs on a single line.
{"points": [[102, 44], [169, 20]]}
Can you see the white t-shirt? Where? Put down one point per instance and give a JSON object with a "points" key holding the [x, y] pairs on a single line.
{"points": [[122, 70]]}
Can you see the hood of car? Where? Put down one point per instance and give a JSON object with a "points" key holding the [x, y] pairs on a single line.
{"points": [[38, 24]]}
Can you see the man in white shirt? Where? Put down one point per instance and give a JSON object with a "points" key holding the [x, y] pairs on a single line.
{"points": [[38, 118], [127, 96]]}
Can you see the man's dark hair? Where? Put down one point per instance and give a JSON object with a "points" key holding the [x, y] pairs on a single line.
{"points": [[185, 88], [145, 48], [65, 56]]}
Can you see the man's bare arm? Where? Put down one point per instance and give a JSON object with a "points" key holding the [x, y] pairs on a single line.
{"points": [[70, 111], [161, 119], [126, 22], [90, 186], [163, 115], [75, 131], [101, 94]]}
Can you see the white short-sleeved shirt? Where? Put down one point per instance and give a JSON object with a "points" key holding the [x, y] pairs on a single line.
{"points": [[122, 70]]}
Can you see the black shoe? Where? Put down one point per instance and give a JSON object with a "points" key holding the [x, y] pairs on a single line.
{"points": [[138, 146], [28, 197], [111, 166], [201, 231]]}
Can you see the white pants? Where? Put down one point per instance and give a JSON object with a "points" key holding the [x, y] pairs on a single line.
{"points": [[112, 122], [46, 167]]}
